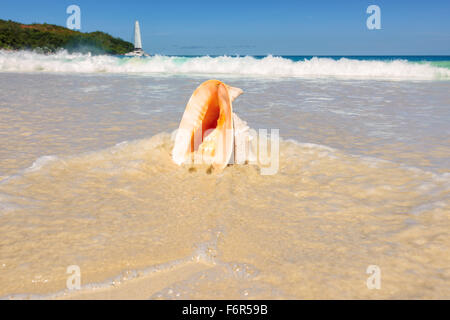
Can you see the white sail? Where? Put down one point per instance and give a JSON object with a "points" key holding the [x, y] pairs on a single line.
{"points": [[137, 52], [137, 36]]}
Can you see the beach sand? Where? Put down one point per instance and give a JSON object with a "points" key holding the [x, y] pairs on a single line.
{"points": [[86, 179]]}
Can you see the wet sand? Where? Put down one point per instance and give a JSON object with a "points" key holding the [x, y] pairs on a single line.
{"points": [[86, 179]]}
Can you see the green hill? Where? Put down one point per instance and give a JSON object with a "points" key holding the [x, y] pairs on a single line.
{"points": [[49, 38]]}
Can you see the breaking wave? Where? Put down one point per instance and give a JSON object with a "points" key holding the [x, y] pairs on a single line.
{"points": [[270, 66]]}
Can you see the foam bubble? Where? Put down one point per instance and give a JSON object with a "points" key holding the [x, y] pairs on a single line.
{"points": [[40, 162]]}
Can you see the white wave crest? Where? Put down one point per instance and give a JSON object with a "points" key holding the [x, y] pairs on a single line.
{"points": [[270, 66]]}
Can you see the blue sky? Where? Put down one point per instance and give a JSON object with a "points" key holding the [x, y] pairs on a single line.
{"points": [[257, 27]]}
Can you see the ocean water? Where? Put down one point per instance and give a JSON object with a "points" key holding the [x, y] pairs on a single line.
{"points": [[380, 67], [86, 177]]}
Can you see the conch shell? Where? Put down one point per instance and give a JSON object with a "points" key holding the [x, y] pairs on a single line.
{"points": [[207, 128]]}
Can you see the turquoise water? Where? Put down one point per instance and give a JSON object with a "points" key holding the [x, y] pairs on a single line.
{"points": [[379, 58]]}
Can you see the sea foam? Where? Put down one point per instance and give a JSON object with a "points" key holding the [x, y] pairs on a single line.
{"points": [[270, 66]]}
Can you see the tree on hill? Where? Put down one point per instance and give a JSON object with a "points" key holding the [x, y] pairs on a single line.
{"points": [[50, 38]]}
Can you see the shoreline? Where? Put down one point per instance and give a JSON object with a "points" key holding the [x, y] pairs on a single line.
{"points": [[139, 288]]}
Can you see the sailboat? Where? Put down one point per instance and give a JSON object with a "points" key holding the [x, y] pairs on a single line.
{"points": [[137, 52]]}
